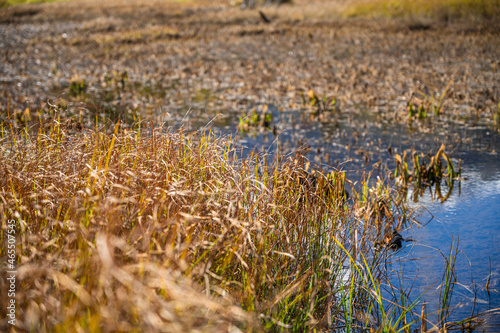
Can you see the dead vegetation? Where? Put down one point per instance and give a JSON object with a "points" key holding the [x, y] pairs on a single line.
{"points": [[167, 231], [181, 49]]}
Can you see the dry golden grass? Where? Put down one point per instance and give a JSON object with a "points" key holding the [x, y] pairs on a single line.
{"points": [[151, 230]]}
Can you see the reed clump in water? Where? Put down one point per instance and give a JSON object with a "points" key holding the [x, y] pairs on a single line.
{"points": [[427, 172], [151, 230]]}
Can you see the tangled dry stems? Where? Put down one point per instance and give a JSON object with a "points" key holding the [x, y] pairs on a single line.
{"points": [[158, 230]]}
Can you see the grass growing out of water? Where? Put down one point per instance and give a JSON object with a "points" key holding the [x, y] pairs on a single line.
{"points": [[427, 172], [150, 230], [319, 105], [256, 119], [449, 279], [421, 108]]}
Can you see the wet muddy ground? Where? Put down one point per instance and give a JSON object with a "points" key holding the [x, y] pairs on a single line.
{"points": [[219, 59]]}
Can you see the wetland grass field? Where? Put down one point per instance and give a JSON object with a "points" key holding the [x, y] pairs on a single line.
{"points": [[186, 166]]}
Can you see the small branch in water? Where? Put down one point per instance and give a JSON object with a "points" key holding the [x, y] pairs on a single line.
{"points": [[423, 325], [489, 277]]}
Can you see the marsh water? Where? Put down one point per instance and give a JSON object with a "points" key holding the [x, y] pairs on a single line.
{"points": [[469, 218]]}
